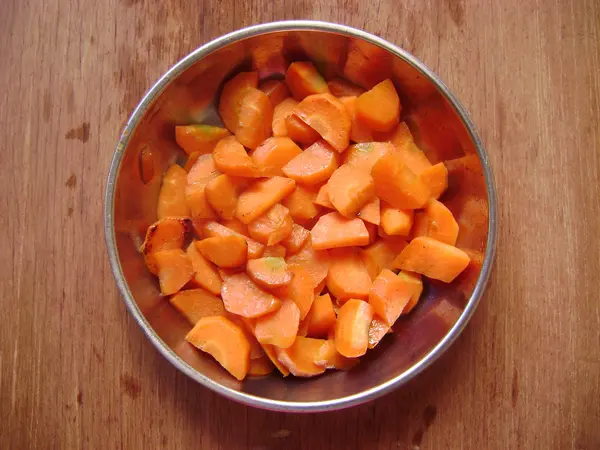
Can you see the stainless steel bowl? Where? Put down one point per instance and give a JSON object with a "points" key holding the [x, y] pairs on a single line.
{"points": [[187, 93]]}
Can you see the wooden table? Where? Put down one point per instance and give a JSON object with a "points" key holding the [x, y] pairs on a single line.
{"points": [[77, 372]]}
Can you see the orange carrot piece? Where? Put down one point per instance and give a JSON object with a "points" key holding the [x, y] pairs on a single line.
{"points": [[275, 251], [226, 273], [359, 132], [371, 212], [255, 119], [276, 90], [171, 199], [242, 297], [296, 240], [300, 359], [231, 158], [274, 153], [224, 251], [199, 139], [389, 295], [437, 222], [396, 184], [203, 170], [273, 226], [272, 355], [214, 229], [436, 179], [321, 317], [174, 270], [233, 95], [301, 203], [194, 304], [377, 330], [328, 117], [322, 198], [236, 225], [330, 358], [416, 284], [432, 258], [379, 108], [279, 328], [205, 274], [316, 262], [408, 151], [280, 113], [300, 289], [342, 88], [347, 277], [396, 222], [299, 131], [222, 194], [260, 366], [365, 155], [166, 234], [262, 196], [269, 272], [224, 341], [350, 188], [303, 79], [381, 255], [334, 230], [352, 328], [314, 165]]}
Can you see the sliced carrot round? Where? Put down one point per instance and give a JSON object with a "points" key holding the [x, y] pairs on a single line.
{"points": [[379, 108], [224, 251], [269, 272], [242, 297], [279, 328], [352, 328]]}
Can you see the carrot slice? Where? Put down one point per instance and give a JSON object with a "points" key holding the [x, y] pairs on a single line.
{"points": [[269, 272], [416, 283], [224, 251], [213, 229], [279, 328], [194, 304], [242, 297], [205, 274], [321, 317], [342, 88], [396, 222], [432, 258], [275, 251], [300, 289], [224, 341], [203, 170], [199, 139], [359, 132], [436, 222], [316, 262], [408, 151], [334, 230], [436, 179], [222, 194], [231, 158], [166, 234], [396, 184], [371, 212], [322, 198], [352, 328], [300, 359], [347, 277], [276, 90], [273, 154], [260, 366], [273, 226], [379, 108], [389, 295], [233, 95], [299, 131], [262, 196], [328, 117], [236, 225], [381, 255], [377, 330], [330, 358], [303, 79], [314, 165], [272, 355], [226, 273], [301, 204], [296, 240], [255, 119], [280, 113], [365, 155], [174, 270], [171, 198], [350, 188]]}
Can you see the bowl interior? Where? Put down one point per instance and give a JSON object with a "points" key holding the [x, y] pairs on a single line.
{"points": [[187, 94]]}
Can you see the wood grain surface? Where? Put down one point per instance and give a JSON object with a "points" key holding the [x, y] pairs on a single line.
{"points": [[77, 372]]}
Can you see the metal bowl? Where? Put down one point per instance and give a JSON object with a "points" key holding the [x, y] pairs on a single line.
{"points": [[187, 93]]}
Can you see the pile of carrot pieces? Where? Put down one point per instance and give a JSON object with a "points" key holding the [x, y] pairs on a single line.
{"points": [[280, 241]]}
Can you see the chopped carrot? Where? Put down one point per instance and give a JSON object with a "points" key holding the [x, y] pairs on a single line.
{"points": [[365, 155], [302, 356], [352, 328], [437, 222], [191, 161], [171, 199], [274, 153], [389, 295], [322, 198], [231, 158], [396, 222], [359, 132], [379, 108], [367, 64], [396, 184], [213, 229], [280, 113], [226, 273], [255, 119], [299, 131], [416, 283], [262, 196], [224, 341], [194, 304], [279, 328], [321, 317], [300, 289], [381, 255], [203, 170], [242, 297], [328, 117], [275, 251], [330, 358], [350, 188], [166, 234], [347, 277], [377, 330], [273, 226], [334, 230], [205, 274], [405, 145], [200, 138], [436, 179], [236, 225], [147, 171], [272, 355], [303, 79], [316, 262], [296, 240], [301, 203], [222, 194], [174, 270], [276, 90], [342, 88], [269, 272], [314, 165], [371, 212], [432, 258], [260, 366], [224, 251], [233, 95]]}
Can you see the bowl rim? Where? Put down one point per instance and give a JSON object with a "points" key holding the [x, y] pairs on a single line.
{"points": [[170, 355]]}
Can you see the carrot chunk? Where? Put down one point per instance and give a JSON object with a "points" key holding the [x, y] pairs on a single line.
{"points": [[322, 198], [314, 165], [296, 240], [231, 158], [275, 251], [389, 295], [303, 79], [299, 131], [200, 139], [371, 212], [359, 132], [213, 229], [300, 289], [436, 179], [194, 304], [222, 194], [301, 358], [236, 225], [269, 272], [262, 196], [224, 251], [279, 328], [203, 170], [396, 222], [352, 328], [233, 95], [260, 366], [280, 113], [408, 151], [350, 188], [273, 226], [342, 88], [242, 297], [365, 155], [334, 230], [316, 262], [274, 153], [276, 90], [205, 274], [379, 108], [301, 203], [255, 119], [437, 222], [171, 199], [377, 330], [330, 358], [416, 283], [174, 270], [166, 234], [321, 317], [381, 255], [347, 277]]}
